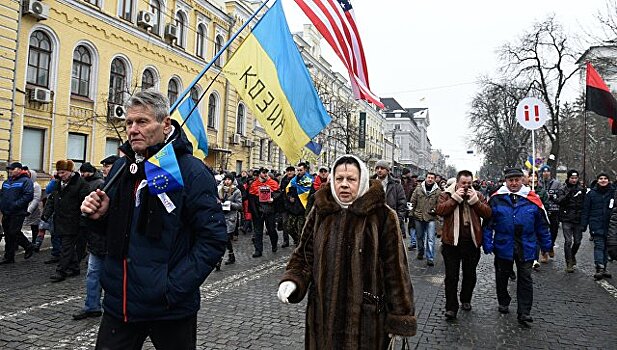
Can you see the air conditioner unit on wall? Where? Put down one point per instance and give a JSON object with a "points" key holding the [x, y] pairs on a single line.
{"points": [[171, 32], [116, 111], [235, 139], [35, 8], [248, 143], [145, 19], [40, 95]]}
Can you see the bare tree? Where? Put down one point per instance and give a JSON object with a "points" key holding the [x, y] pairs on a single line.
{"points": [[541, 60], [497, 133]]}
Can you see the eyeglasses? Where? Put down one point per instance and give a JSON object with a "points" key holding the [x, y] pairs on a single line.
{"points": [[323, 171]]}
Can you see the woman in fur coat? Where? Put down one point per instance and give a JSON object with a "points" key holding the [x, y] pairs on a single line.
{"points": [[351, 261]]}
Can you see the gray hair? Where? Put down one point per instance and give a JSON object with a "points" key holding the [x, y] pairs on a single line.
{"points": [[154, 100]]}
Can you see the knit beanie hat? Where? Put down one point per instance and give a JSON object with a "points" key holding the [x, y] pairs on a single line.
{"points": [[571, 173], [603, 174], [65, 165], [87, 168], [382, 163], [544, 168]]}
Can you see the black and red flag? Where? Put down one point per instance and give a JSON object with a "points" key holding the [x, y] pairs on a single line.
{"points": [[599, 98]]}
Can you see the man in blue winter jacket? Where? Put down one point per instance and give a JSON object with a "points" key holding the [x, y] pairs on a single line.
{"points": [[16, 194], [160, 248], [518, 223]]}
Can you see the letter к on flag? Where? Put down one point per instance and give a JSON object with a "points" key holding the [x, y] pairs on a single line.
{"points": [[270, 76], [195, 130], [162, 171]]}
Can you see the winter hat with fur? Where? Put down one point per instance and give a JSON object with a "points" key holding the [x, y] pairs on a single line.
{"points": [[64, 165]]}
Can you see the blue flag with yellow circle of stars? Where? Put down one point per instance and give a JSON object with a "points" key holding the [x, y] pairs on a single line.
{"points": [[162, 171]]}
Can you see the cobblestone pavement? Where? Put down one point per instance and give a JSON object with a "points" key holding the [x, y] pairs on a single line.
{"points": [[240, 309]]}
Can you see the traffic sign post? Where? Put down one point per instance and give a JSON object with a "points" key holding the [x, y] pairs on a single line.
{"points": [[532, 114]]}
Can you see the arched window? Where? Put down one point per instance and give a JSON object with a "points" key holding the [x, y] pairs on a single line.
{"points": [[240, 119], [82, 66], [117, 81], [195, 94], [39, 59], [201, 40], [212, 102], [218, 44], [155, 8], [147, 80], [172, 91], [181, 24]]}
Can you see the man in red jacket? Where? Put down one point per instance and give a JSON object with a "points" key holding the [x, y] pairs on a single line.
{"points": [[262, 193]]}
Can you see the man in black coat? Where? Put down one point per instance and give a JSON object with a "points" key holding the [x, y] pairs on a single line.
{"points": [[571, 197], [16, 194], [68, 193], [96, 248], [395, 194], [160, 246]]}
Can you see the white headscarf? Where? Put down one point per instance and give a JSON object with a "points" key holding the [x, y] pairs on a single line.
{"points": [[364, 180]]}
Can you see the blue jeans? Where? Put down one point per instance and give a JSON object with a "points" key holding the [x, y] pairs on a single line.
{"points": [[600, 256], [93, 283], [425, 231], [412, 233]]}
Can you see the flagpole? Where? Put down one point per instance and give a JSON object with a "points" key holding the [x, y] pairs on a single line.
{"points": [[533, 156], [215, 58], [585, 144]]}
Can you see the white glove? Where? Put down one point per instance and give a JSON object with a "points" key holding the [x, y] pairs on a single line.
{"points": [[285, 290]]}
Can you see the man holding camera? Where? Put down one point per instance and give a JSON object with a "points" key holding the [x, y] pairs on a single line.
{"points": [[462, 209]]}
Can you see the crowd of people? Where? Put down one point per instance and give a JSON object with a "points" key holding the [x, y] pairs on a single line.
{"points": [[150, 252]]}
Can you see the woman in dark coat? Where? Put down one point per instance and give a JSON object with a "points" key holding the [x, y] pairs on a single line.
{"points": [[351, 260]]}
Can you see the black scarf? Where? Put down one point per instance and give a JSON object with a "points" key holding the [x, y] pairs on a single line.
{"points": [[122, 207]]}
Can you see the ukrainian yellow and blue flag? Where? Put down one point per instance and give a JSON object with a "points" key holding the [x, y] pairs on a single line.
{"points": [[303, 187], [269, 74], [162, 171], [195, 129]]}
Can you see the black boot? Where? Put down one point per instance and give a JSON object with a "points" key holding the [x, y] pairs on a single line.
{"points": [[606, 274], [598, 275], [231, 258], [218, 266]]}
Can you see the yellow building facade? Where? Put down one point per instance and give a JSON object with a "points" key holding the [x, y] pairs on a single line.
{"points": [[9, 17], [80, 60]]}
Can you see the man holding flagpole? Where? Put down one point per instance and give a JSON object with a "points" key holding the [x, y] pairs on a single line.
{"points": [[165, 232]]}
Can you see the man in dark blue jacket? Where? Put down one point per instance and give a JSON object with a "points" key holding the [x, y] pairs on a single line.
{"points": [[519, 221], [16, 194], [160, 248]]}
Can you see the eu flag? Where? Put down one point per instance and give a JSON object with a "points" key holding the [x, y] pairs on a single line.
{"points": [[162, 171]]}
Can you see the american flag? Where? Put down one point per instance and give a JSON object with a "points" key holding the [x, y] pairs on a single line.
{"points": [[334, 19]]}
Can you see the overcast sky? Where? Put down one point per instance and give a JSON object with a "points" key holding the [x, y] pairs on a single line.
{"points": [[436, 50]]}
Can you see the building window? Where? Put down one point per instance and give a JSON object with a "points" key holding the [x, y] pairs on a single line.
{"points": [[147, 80], [181, 24], [195, 95], [39, 59], [172, 91], [238, 166], [241, 120], [93, 2], [117, 81], [111, 146], [76, 148], [82, 66], [270, 151], [155, 8], [218, 44], [32, 147], [262, 149], [126, 9], [212, 111], [201, 40]]}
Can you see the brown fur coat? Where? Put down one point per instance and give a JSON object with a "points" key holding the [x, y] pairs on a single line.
{"points": [[342, 254]]}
